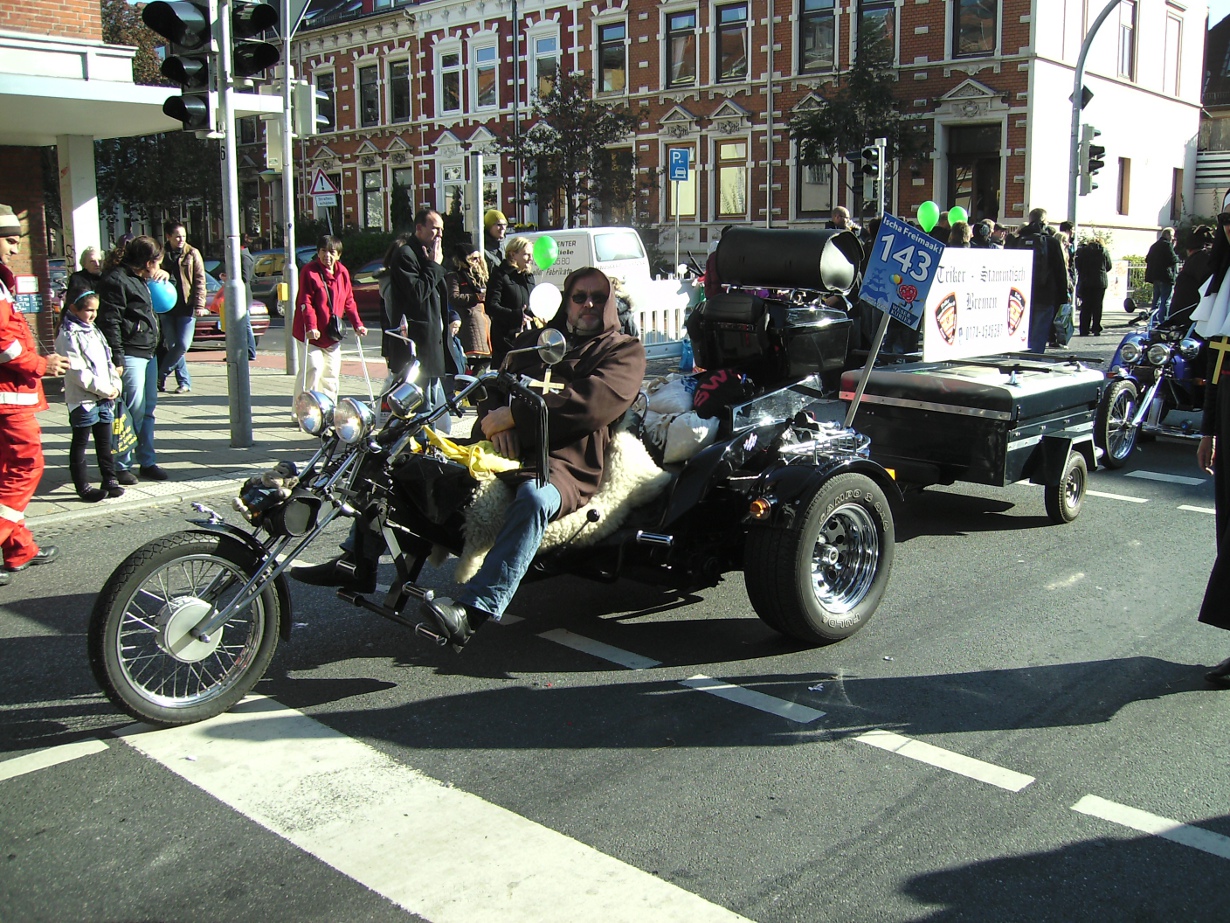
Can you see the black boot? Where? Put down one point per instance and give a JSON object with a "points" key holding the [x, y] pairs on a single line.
{"points": [[456, 621], [1220, 674], [342, 572]]}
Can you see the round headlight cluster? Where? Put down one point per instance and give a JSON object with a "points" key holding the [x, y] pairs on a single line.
{"points": [[1189, 348], [1130, 352], [1158, 354], [314, 411], [352, 420]]}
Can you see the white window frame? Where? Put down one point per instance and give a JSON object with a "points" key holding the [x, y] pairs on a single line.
{"points": [[444, 185], [359, 67], [1172, 69], [665, 50], [478, 45], [797, 172], [317, 73], [546, 30], [950, 33], [599, 25], [716, 164], [390, 64], [450, 46], [381, 193], [857, 19], [715, 51], [797, 39]]}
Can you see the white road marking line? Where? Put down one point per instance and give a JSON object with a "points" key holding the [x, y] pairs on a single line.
{"points": [[1166, 478], [1103, 494], [946, 759], [791, 711], [52, 756], [598, 649], [1173, 830], [437, 851], [1066, 582], [1198, 509]]}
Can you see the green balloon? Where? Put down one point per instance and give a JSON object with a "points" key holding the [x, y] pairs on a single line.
{"points": [[546, 252], [928, 215], [957, 213]]}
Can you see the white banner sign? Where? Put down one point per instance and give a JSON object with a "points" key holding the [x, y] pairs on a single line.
{"points": [[978, 304]]}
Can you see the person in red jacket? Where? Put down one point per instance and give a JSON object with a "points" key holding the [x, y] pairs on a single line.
{"points": [[21, 397], [324, 292]]}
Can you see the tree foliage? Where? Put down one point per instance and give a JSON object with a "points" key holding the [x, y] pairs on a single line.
{"points": [[153, 176], [862, 109], [566, 148]]}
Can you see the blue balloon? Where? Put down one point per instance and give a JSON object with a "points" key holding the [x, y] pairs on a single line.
{"points": [[163, 295]]}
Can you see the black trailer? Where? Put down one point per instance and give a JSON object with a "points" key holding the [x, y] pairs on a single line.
{"points": [[992, 420]]}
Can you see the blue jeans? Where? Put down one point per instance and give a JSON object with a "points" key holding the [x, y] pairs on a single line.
{"points": [[177, 335], [492, 588], [141, 398], [1161, 298], [1041, 320]]}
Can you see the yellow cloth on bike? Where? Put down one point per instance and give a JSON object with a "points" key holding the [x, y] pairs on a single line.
{"points": [[480, 457]]}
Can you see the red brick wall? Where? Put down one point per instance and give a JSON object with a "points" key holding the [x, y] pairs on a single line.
{"points": [[21, 186], [62, 18]]}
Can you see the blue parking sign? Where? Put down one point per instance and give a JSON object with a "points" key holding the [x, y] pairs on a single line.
{"points": [[902, 267], [678, 158]]}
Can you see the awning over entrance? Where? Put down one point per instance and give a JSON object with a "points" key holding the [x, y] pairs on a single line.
{"points": [[37, 110]]}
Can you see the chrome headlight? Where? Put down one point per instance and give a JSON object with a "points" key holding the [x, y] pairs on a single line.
{"points": [[405, 400], [1189, 348], [352, 420], [1130, 353], [314, 411], [1158, 354]]}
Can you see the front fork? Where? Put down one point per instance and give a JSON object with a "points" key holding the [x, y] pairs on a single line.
{"points": [[1149, 407]]}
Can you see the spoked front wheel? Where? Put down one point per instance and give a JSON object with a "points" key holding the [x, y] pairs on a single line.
{"points": [[142, 649], [1113, 430]]}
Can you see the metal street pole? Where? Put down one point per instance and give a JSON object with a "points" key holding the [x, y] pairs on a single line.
{"points": [[290, 273], [238, 382], [1078, 88], [881, 146]]}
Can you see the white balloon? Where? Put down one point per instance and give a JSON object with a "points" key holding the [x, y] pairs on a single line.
{"points": [[545, 300]]}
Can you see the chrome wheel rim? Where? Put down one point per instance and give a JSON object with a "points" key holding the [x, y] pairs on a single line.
{"points": [[160, 661], [1119, 430], [1073, 488], [845, 558]]}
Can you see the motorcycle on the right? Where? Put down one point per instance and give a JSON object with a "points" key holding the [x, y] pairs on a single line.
{"points": [[1154, 371]]}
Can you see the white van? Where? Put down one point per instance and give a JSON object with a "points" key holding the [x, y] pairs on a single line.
{"points": [[616, 251]]}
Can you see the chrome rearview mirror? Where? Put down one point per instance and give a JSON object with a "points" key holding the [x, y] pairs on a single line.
{"points": [[552, 345], [405, 400]]}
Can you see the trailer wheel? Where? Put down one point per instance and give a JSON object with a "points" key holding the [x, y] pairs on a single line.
{"points": [[1113, 430], [820, 578], [1064, 500]]}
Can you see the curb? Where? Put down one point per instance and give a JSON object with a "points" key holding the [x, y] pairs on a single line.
{"points": [[230, 488]]}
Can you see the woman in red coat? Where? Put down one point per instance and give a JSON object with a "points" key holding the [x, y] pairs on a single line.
{"points": [[324, 292]]}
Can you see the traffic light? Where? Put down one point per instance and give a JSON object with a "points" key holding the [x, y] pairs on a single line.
{"points": [[248, 19], [190, 60], [308, 120], [871, 168], [1091, 158]]}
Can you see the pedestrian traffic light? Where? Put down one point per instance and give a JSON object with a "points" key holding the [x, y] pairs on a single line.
{"points": [[871, 161], [248, 19], [308, 120], [1091, 158], [190, 60]]}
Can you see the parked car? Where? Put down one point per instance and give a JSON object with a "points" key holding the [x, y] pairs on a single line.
{"points": [[367, 293], [209, 334], [268, 271]]}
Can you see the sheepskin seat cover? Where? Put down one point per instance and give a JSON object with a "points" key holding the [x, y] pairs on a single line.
{"points": [[629, 479]]}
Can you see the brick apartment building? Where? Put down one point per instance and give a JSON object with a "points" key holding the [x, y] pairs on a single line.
{"points": [[412, 90]]}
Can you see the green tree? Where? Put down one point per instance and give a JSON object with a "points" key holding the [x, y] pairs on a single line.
{"points": [[122, 25], [401, 207], [862, 109], [566, 147]]}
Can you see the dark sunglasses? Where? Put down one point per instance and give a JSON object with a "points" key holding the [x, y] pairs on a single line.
{"points": [[595, 297]]}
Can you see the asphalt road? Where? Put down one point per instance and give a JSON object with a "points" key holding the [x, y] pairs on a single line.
{"points": [[1056, 752]]}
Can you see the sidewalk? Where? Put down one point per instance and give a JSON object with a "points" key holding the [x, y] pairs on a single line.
{"points": [[193, 439]]}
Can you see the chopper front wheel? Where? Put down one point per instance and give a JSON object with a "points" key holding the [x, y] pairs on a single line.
{"points": [[142, 651], [820, 578]]}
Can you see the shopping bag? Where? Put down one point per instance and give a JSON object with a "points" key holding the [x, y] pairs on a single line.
{"points": [[1062, 326], [123, 435]]}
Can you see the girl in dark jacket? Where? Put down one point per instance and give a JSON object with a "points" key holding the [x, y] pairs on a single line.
{"points": [[467, 291], [128, 322], [324, 292], [508, 298]]}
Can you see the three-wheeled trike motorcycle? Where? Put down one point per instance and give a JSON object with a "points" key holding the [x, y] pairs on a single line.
{"points": [[188, 623]]}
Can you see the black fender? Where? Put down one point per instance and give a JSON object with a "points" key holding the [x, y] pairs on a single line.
{"points": [[281, 587], [787, 487], [1051, 457]]}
